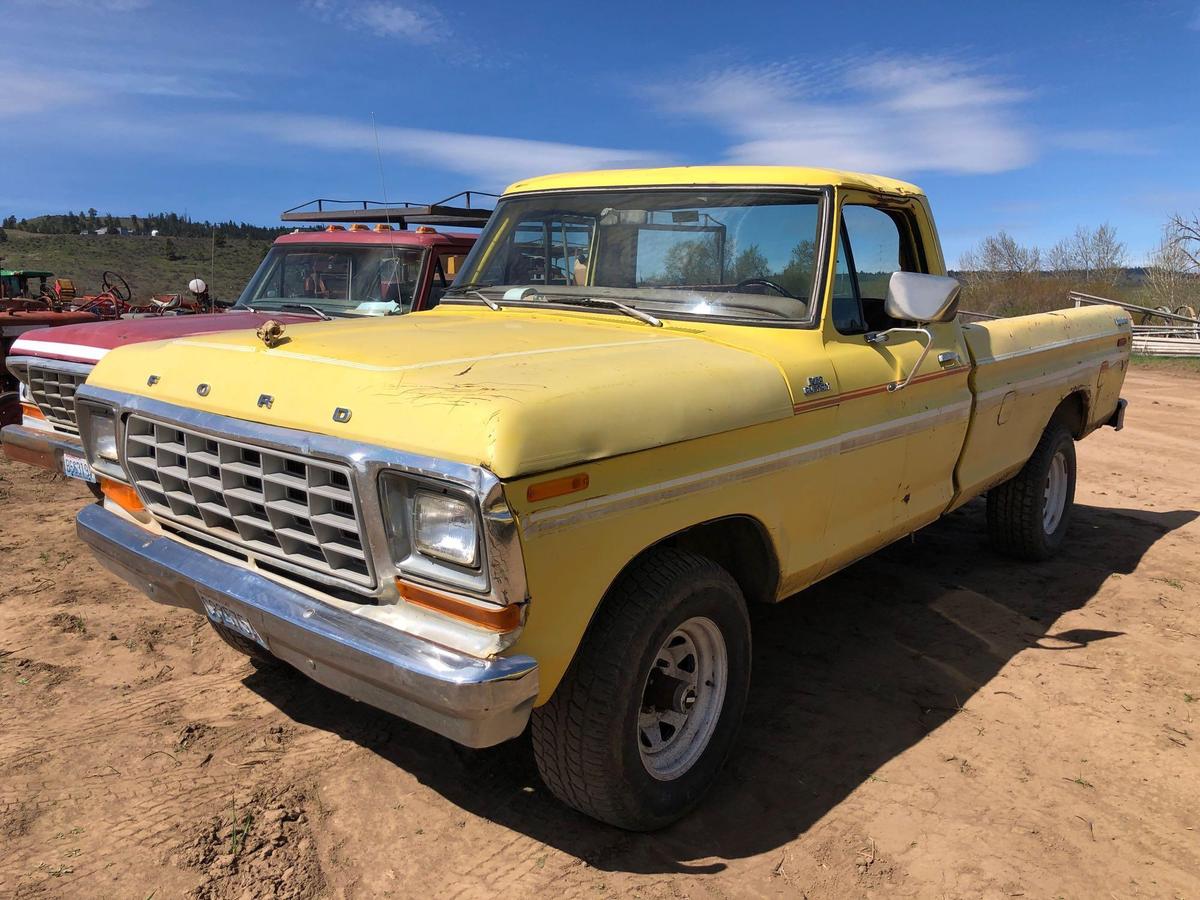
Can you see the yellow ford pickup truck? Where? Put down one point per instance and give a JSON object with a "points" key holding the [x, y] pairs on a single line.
{"points": [[651, 398]]}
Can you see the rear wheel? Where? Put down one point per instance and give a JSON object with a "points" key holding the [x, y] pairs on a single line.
{"points": [[1028, 515], [644, 718]]}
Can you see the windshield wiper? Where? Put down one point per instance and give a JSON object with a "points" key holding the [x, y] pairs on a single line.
{"points": [[468, 287], [491, 304], [611, 304], [319, 313]]}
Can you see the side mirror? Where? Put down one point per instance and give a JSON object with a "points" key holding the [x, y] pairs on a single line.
{"points": [[922, 298]]}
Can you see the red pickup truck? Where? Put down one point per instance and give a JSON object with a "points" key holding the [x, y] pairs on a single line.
{"points": [[369, 268]]}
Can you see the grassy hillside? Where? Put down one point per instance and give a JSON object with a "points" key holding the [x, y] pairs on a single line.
{"points": [[142, 260]]}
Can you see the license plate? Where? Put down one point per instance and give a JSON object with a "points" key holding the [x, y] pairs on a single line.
{"points": [[77, 467], [224, 616]]}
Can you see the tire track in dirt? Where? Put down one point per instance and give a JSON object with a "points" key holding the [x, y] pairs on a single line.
{"points": [[153, 804]]}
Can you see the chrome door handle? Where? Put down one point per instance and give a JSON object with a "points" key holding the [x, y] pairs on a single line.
{"points": [[948, 359]]}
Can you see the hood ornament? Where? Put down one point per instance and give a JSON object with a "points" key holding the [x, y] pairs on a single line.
{"points": [[271, 333]]}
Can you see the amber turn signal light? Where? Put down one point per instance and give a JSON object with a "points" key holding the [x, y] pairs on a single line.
{"points": [[556, 487], [28, 409], [493, 618], [121, 494]]}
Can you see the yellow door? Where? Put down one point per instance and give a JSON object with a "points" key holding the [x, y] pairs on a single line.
{"points": [[894, 467]]}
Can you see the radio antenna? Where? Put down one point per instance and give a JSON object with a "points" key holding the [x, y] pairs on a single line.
{"points": [[387, 208]]}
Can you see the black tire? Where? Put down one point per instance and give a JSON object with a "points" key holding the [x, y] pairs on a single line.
{"points": [[246, 646], [587, 741], [1016, 509], [10, 408]]}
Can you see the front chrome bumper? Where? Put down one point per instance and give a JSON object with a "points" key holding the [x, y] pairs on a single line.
{"points": [[37, 447], [476, 702]]}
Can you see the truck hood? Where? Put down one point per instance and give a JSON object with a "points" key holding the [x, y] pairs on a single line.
{"points": [[516, 391], [91, 341]]}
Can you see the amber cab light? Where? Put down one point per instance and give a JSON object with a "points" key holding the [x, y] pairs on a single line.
{"points": [[493, 618], [426, 229], [359, 226], [335, 228], [556, 487], [382, 227], [121, 494]]}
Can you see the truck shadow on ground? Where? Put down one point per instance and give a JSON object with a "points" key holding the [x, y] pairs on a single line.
{"points": [[848, 676]]}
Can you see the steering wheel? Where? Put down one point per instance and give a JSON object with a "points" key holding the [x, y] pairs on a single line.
{"points": [[749, 282], [121, 291]]}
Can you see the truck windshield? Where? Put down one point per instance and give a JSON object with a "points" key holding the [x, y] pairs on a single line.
{"points": [[338, 280], [739, 254]]}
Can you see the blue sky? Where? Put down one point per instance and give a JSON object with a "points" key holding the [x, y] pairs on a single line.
{"points": [[1031, 117]]}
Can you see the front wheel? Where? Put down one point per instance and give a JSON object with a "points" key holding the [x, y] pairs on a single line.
{"points": [[644, 718], [10, 408], [248, 647], [1029, 514]]}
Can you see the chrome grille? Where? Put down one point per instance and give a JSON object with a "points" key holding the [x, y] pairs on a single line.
{"points": [[299, 511], [53, 390]]}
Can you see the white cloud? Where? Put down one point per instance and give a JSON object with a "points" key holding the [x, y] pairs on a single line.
{"points": [[494, 159], [888, 115], [409, 20], [32, 91], [22, 93]]}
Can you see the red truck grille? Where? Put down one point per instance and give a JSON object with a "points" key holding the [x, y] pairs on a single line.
{"points": [[53, 390]]}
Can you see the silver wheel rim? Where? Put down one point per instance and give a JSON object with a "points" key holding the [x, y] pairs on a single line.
{"points": [[682, 698], [1055, 501]]}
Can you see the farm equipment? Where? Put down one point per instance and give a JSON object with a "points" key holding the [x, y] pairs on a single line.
{"points": [[29, 301], [363, 263], [1157, 331]]}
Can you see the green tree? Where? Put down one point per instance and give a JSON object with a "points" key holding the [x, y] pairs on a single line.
{"points": [[700, 261], [797, 275], [750, 263]]}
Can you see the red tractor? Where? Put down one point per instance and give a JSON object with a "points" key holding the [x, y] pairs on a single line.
{"points": [[26, 306]]}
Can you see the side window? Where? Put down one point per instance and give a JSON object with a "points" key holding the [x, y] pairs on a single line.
{"points": [[450, 264], [874, 244], [847, 310], [875, 238], [445, 267]]}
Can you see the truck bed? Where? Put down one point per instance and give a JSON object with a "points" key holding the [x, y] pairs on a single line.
{"points": [[1023, 368]]}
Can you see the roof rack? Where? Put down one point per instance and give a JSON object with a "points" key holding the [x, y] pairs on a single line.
{"points": [[445, 212]]}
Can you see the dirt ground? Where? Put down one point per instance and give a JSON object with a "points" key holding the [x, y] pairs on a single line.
{"points": [[936, 721]]}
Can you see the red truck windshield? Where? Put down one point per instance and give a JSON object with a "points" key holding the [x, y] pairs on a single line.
{"points": [[360, 281]]}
